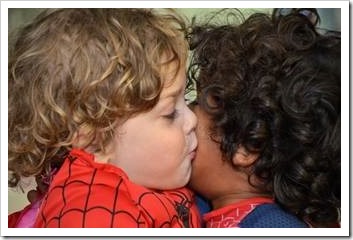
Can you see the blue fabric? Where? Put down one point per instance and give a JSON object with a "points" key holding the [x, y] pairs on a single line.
{"points": [[202, 204], [271, 216]]}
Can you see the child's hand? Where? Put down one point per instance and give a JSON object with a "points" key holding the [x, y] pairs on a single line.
{"points": [[36, 194]]}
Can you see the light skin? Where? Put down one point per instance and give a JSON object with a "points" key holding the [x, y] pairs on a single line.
{"points": [[214, 178], [156, 148]]}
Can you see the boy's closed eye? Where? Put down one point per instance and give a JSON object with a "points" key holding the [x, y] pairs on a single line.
{"points": [[173, 115]]}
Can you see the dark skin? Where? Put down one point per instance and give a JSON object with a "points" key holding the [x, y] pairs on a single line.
{"points": [[211, 174]]}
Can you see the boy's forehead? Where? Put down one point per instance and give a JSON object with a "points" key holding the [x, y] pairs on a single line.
{"points": [[173, 87], [174, 79], [172, 91]]}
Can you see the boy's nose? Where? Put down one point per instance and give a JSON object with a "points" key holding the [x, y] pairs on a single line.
{"points": [[191, 121]]}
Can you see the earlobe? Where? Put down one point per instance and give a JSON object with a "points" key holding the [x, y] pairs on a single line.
{"points": [[243, 158]]}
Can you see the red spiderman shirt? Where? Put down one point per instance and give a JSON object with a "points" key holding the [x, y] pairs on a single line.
{"points": [[85, 193]]}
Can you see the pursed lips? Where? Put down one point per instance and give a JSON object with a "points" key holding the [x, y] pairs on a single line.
{"points": [[192, 151]]}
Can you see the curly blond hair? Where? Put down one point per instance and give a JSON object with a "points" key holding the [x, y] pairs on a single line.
{"points": [[74, 69]]}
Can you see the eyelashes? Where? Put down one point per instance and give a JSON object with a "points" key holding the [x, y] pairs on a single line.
{"points": [[173, 115], [178, 109]]}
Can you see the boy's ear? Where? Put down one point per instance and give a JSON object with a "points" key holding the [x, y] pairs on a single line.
{"points": [[243, 158]]}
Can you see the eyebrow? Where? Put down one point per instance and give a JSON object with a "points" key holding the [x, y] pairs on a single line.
{"points": [[168, 98], [174, 93]]}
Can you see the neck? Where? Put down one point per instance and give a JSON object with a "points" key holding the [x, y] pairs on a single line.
{"points": [[231, 198]]}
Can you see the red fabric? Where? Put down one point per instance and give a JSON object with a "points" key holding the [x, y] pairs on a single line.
{"points": [[230, 216], [13, 218], [85, 193], [26, 217]]}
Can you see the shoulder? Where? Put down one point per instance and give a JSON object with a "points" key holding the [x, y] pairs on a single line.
{"points": [[81, 193], [171, 208], [271, 216]]}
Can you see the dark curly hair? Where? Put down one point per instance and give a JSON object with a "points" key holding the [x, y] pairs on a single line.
{"points": [[272, 85]]}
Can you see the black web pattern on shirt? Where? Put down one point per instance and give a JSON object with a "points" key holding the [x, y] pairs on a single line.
{"points": [[182, 205]]}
